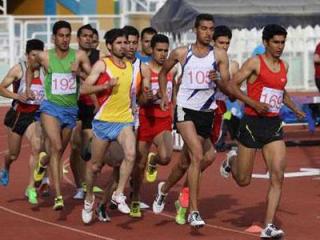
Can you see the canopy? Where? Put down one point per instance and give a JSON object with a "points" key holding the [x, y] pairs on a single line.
{"points": [[177, 16]]}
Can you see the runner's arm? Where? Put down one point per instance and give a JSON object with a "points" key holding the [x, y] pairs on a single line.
{"points": [[145, 96], [14, 74]]}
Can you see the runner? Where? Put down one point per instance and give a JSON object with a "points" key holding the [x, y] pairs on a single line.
{"points": [[95, 39], [59, 108], [87, 104], [20, 120], [261, 126], [222, 37], [194, 110], [146, 51], [114, 120], [155, 125]]}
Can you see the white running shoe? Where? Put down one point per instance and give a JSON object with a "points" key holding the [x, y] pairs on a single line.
{"points": [[159, 202], [225, 167], [120, 201], [195, 219], [271, 231], [79, 194], [87, 211]]}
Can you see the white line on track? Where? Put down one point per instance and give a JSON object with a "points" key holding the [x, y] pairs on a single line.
{"points": [[55, 224]]}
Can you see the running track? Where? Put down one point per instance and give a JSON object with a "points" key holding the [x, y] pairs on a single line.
{"points": [[227, 209]]}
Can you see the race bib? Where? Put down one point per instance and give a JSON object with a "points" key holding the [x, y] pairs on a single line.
{"points": [[38, 92], [155, 88], [273, 97], [197, 79], [63, 84]]}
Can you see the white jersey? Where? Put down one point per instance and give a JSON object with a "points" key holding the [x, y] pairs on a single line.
{"points": [[136, 84], [197, 91], [36, 86]]}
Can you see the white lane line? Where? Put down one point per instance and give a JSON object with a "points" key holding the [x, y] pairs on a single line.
{"points": [[55, 224]]}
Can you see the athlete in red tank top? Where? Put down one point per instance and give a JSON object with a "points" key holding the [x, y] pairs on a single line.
{"points": [[268, 88], [261, 127]]}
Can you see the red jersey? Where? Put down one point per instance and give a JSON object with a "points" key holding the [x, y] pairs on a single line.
{"points": [[268, 88], [154, 109]]}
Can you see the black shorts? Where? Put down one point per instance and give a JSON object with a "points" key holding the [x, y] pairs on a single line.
{"points": [[18, 122], [201, 120], [256, 131], [86, 115]]}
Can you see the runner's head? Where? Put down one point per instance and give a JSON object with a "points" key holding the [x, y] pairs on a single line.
{"points": [[85, 37], [133, 40], [222, 36], [117, 42], [62, 35], [160, 48], [33, 47], [274, 38], [95, 38], [204, 28], [146, 36]]}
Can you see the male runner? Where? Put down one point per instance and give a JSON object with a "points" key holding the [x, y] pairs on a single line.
{"points": [[20, 120], [59, 107], [155, 125], [261, 126], [194, 110], [146, 51], [114, 120]]}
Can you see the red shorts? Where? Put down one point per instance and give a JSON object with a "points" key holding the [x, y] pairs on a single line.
{"points": [[218, 121], [150, 127]]}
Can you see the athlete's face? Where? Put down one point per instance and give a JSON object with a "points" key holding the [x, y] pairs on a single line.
{"points": [[119, 47], [222, 42], [95, 41], [146, 43], [132, 46], [160, 52], [275, 45], [205, 31], [62, 39], [31, 56], [85, 39]]}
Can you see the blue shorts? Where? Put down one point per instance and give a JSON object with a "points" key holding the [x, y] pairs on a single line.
{"points": [[108, 131], [67, 116]]}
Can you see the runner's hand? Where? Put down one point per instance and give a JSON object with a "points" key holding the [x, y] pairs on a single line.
{"points": [[164, 103], [148, 94], [29, 95], [21, 97], [75, 68], [113, 82], [261, 108], [300, 114], [213, 76]]}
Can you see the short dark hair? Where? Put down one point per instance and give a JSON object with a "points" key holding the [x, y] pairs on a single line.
{"points": [[34, 44], [130, 30], [113, 34], [203, 17], [148, 30], [159, 38], [271, 30], [222, 31], [95, 32], [87, 27], [60, 24]]}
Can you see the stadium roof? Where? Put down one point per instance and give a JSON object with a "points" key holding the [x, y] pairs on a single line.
{"points": [[178, 15]]}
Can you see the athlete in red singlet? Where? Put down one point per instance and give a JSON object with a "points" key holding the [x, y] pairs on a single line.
{"points": [[261, 126]]}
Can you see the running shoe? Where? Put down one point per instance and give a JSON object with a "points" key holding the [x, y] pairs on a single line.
{"points": [[151, 171], [102, 214], [271, 231], [159, 202], [87, 211], [181, 214], [79, 194], [4, 177], [40, 170], [96, 189], [135, 209], [31, 194], [58, 203], [225, 167], [120, 201], [195, 219], [184, 197]]}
